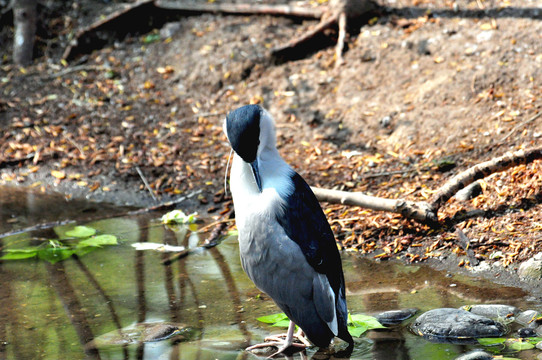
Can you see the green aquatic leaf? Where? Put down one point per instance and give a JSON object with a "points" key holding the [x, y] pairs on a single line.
{"points": [[356, 331], [178, 217], [491, 341], [55, 254], [81, 232], [360, 323], [98, 241], [273, 319], [365, 320], [533, 340], [519, 344], [283, 323], [82, 251], [19, 254]]}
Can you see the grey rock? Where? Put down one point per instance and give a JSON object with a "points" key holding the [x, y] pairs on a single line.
{"points": [[493, 311], [385, 121], [526, 332], [531, 269], [528, 318], [455, 325], [395, 317], [423, 47], [475, 355], [170, 29]]}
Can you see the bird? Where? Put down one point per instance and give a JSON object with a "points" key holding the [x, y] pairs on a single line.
{"points": [[286, 244]]}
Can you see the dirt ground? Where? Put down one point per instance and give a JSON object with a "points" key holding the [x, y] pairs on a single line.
{"points": [[427, 89]]}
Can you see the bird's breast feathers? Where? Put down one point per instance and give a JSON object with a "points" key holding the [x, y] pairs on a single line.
{"points": [[249, 201]]}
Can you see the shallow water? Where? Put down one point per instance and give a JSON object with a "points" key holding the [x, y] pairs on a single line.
{"points": [[71, 309]]}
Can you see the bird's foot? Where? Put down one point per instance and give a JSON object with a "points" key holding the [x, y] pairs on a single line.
{"points": [[281, 343], [299, 336]]}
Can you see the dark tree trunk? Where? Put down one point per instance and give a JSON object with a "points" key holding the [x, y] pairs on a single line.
{"points": [[24, 19]]}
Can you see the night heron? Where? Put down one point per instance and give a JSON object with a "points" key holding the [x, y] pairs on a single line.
{"points": [[287, 247]]}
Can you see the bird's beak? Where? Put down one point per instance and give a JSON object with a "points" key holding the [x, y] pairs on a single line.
{"points": [[256, 173]]}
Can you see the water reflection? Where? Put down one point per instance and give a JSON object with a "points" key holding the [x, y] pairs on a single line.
{"points": [[72, 309]]}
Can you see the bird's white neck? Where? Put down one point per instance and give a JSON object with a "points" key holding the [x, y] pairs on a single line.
{"points": [[275, 175]]}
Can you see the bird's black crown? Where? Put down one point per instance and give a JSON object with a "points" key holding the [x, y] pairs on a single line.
{"points": [[243, 128]]}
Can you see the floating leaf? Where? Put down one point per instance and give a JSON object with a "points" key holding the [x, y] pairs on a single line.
{"points": [[55, 254], [491, 341], [98, 241], [178, 217], [282, 323], [273, 319], [360, 323], [81, 232], [519, 344], [19, 254], [356, 331]]}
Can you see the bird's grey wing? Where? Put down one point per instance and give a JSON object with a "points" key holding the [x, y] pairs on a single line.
{"points": [[324, 301], [305, 223], [278, 267]]}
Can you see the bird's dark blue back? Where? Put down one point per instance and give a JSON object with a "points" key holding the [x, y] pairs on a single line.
{"points": [[305, 223]]}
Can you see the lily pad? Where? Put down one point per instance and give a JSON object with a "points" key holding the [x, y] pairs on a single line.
{"points": [[273, 319], [98, 241], [19, 254], [81, 232], [358, 324]]}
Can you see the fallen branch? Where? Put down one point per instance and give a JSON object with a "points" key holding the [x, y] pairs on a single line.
{"points": [[420, 211], [241, 9], [427, 212], [481, 171], [522, 124], [145, 182], [74, 69]]}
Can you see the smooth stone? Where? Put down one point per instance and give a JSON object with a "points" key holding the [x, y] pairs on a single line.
{"points": [[395, 317], [475, 355], [493, 311], [455, 325], [528, 318], [526, 332], [531, 269]]}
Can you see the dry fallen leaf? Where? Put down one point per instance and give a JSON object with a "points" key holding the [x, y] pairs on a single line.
{"points": [[58, 174]]}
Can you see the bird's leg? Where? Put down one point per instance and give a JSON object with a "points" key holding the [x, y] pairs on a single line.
{"points": [[300, 335], [281, 344]]}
